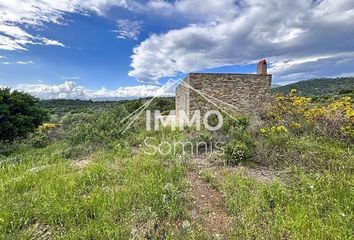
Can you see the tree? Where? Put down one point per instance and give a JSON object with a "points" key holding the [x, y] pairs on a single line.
{"points": [[19, 114]]}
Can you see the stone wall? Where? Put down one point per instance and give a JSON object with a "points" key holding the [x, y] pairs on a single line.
{"points": [[182, 97], [239, 93]]}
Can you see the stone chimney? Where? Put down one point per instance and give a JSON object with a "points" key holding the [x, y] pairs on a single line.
{"points": [[262, 67]]}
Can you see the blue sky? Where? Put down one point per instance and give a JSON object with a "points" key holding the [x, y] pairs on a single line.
{"points": [[92, 52], [116, 49]]}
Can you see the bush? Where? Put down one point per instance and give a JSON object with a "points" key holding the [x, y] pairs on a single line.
{"points": [[245, 137], [236, 152], [237, 122], [308, 151], [96, 130], [271, 147], [19, 114], [333, 119], [38, 140], [7, 149]]}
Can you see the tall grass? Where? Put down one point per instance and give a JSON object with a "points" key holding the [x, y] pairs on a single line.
{"points": [[122, 191], [106, 199], [314, 197], [318, 206]]}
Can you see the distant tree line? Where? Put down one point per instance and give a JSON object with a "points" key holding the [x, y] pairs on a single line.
{"points": [[320, 87], [59, 107]]}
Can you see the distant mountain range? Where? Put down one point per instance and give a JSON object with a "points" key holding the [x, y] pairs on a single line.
{"points": [[320, 87], [276, 85]]}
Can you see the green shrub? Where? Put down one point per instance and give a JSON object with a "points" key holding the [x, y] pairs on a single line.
{"points": [[309, 152], [237, 122], [99, 128], [19, 114], [163, 104], [203, 140], [7, 149], [38, 140], [242, 136], [205, 136], [236, 152]]}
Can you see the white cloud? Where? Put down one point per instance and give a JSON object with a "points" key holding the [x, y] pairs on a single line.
{"points": [[70, 78], [128, 29], [206, 11], [215, 33], [250, 30], [14, 38], [47, 41], [7, 43], [70, 90], [338, 64], [18, 62], [17, 16], [24, 62]]}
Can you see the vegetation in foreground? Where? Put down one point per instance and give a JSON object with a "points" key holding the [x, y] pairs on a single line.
{"points": [[311, 146], [79, 177]]}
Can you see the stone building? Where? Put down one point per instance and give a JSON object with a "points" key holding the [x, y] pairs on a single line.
{"points": [[236, 93]]}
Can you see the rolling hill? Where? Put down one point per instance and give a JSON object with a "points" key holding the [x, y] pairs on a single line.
{"points": [[320, 87]]}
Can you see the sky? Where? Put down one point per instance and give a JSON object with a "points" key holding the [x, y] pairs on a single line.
{"points": [[117, 49]]}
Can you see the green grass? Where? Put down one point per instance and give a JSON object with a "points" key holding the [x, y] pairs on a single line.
{"points": [[209, 177], [119, 194], [125, 192], [315, 200], [309, 152], [314, 207], [106, 199]]}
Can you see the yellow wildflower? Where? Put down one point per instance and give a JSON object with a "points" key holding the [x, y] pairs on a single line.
{"points": [[347, 130], [295, 125], [293, 92], [263, 130], [46, 127], [279, 129], [314, 113], [282, 129], [280, 98], [350, 114]]}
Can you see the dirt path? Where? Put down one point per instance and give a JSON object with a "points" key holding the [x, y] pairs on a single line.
{"points": [[207, 205]]}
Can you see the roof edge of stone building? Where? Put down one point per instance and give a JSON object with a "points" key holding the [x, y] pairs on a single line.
{"points": [[236, 74]]}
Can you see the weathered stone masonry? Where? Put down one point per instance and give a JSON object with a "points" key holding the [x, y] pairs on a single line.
{"points": [[242, 93]]}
